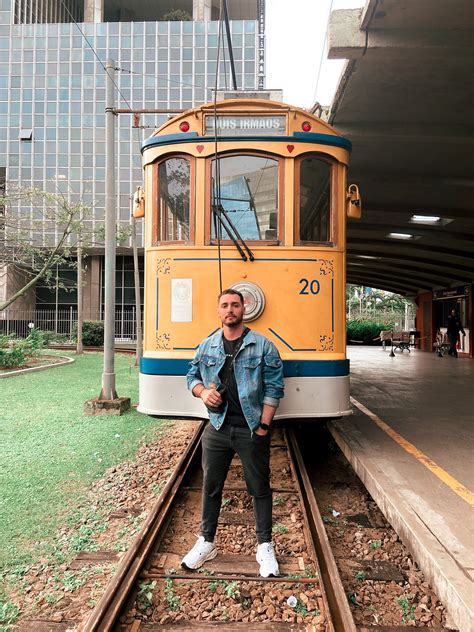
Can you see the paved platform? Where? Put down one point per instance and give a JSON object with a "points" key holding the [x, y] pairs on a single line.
{"points": [[410, 440]]}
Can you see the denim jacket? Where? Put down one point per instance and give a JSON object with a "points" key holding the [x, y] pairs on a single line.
{"points": [[258, 372]]}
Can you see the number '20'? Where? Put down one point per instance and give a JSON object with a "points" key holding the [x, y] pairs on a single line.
{"points": [[313, 286]]}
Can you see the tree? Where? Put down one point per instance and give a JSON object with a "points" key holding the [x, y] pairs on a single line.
{"points": [[370, 303], [38, 230]]}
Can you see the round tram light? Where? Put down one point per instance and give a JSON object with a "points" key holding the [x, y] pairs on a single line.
{"points": [[184, 126], [306, 126], [254, 299]]}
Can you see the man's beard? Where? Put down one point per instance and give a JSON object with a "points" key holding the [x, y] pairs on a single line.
{"points": [[238, 320]]}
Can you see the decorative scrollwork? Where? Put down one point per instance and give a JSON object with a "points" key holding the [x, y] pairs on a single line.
{"points": [[326, 343], [326, 266], [163, 341], [163, 266]]}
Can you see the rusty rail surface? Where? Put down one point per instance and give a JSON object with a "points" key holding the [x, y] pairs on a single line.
{"points": [[338, 606], [105, 614], [108, 608]]}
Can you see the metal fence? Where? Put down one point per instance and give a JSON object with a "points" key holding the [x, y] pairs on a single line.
{"points": [[62, 323]]}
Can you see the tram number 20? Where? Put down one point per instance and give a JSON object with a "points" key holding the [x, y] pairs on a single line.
{"points": [[309, 287]]}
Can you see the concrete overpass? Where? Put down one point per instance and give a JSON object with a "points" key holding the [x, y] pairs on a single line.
{"points": [[405, 100]]}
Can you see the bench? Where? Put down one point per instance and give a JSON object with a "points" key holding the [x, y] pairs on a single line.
{"points": [[397, 339]]}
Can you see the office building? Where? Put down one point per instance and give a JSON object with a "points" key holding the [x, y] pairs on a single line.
{"points": [[52, 104]]}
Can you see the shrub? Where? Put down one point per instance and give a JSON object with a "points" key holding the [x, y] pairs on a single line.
{"points": [[13, 356], [177, 15], [5, 340], [93, 333], [15, 353], [35, 342], [51, 337], [365, 331]]}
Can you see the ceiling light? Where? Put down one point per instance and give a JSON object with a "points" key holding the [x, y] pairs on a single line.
{"points": [[400, 235], [425, 219], [366, 257]]}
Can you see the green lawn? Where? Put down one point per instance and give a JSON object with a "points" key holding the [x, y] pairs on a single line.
{"points": [[50, 451]]}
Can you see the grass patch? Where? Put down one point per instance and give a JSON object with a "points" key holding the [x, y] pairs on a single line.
{"points": [[53, 452]]}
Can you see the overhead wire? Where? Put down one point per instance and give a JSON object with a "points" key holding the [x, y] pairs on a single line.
{"points": [[138, 139], [318, 76], [216, 206]]}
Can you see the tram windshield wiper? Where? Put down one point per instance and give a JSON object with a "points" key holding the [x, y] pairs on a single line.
{"points": [[226, 223]]}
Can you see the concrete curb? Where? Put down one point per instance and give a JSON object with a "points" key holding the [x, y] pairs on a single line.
{"points": [[434, 560], [65, 360]]}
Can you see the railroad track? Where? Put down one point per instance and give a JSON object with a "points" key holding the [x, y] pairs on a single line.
{"points": [[150, 591]]}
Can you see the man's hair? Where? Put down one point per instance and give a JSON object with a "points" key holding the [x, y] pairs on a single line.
{"points": [[231, 291]]}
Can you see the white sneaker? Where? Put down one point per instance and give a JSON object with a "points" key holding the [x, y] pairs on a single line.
{"points": [[201, 552], [267, 560]]}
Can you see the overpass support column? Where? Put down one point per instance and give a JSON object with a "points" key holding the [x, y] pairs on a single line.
{"points": [[93, 10], [202, 10]]}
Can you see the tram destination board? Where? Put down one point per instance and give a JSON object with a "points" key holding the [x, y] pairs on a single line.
{"points": [[234, 125]]}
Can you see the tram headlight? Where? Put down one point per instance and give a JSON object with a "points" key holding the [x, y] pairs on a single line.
{"points": [[254, 299]]}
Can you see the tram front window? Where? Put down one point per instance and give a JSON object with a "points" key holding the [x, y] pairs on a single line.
{"points": [[314, 201], [245, 188], [173, 200]]}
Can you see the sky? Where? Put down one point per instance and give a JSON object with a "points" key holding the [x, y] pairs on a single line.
{"points": [[296, 50]]}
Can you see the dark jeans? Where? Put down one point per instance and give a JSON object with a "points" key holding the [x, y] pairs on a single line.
{"points": [[453, 341], [218, 449]]}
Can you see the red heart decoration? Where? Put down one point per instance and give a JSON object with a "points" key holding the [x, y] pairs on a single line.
{"points": [[290, 148], [199, 148]]}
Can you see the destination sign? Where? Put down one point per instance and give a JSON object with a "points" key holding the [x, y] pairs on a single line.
{"points": [[245, 125]]}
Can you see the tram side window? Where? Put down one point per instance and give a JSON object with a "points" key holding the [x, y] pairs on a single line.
{"points": [[174, 176], [245, 189], [314, 200]]}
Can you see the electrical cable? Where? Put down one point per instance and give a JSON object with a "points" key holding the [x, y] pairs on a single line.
{"points": [[216, 206], [93, 49], [322, 51]]}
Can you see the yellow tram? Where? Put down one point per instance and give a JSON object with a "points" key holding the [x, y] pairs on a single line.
{"points": [[249, 194]]}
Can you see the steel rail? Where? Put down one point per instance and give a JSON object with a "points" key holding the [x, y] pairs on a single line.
{"points": [[103, 617], [338, 606]]}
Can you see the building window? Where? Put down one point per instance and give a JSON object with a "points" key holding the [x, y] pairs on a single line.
{"points": [[61, 292], [313, 206], [246, 192], [173, 214], [124, 283]]}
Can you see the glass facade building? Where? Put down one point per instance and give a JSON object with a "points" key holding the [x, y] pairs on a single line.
{"points": [[52, 97]]}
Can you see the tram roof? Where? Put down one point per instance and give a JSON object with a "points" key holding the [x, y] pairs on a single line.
{"points": [[405, 100], [322, 132]]}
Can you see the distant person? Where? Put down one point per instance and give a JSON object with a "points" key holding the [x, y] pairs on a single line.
{"points": [[238, 374], [453, 331]]}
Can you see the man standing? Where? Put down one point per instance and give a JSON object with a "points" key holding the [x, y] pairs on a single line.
{"points": [[453, 330], [238, 374]]}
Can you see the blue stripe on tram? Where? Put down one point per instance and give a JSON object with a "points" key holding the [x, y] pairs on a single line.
{"points": [[291, 368]]}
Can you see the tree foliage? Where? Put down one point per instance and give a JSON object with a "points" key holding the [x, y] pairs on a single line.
{"points": [[390, 310], [177, 15], [38, 231]]}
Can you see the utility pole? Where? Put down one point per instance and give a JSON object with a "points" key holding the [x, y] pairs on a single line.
{"points": [[108, 391], [80, 314], [108, 400]]}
